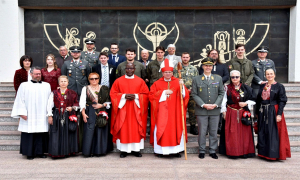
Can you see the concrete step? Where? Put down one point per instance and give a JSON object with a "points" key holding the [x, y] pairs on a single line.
{"points": [[289, 86], [7, 92], [293, 98], [5, 110], [292, 104], [293, 127], [7, 118], [291, 111], [7, 97], [7, 87], [10, 135], [9, 145], [9, 126], [6, 104], [292, 92]]}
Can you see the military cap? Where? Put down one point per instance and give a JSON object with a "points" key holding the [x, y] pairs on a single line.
{"points": [[75, 49], [207, 61], [90, 41], [263, 49]]}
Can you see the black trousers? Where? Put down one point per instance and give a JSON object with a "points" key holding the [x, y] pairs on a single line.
{"points": [[33, 144]]}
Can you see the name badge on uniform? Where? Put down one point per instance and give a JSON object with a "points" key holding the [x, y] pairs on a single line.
{"points": [[257, 69], [215, 83], [202, 78]]}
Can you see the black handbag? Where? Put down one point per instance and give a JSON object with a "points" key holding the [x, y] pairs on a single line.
{"points": [[246, 118], [101, 120], [72, 123]]}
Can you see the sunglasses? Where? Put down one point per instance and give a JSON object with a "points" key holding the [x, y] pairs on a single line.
{"points": [[234, 77], [94, 79]]}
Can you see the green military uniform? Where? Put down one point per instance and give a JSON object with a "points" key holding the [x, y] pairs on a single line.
{"points": [[140, 69], [91, 58], [187, 74], [245, 68], [153, 72]]}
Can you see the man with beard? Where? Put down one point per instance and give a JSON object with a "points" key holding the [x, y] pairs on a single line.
{"points": [[90, 55], [218, 67], [140, 69], [188, 72], [31, 107], [129, 98]]}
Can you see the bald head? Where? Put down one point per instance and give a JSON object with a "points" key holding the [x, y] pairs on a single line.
{"points": [[130, 68], [145, 54]]}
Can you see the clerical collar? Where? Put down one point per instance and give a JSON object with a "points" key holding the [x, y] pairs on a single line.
{"points": [[129, 77], [36, 81], [207, 76], [167, 79]]}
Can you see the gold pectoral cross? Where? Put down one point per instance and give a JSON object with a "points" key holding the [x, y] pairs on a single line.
{"points": [[168, 95]]}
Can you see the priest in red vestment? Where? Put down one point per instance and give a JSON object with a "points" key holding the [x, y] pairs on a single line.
{"points": [[129, 98], [166, 116]]}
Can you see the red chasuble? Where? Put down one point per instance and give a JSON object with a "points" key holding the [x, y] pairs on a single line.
{"points": [[130, 122], [167, 115]]}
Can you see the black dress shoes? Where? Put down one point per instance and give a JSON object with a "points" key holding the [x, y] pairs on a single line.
{"points": [[30, 157], [177, 155], [123, 154], [194, 130], [201, 155], [213, 155], [137, 154]]}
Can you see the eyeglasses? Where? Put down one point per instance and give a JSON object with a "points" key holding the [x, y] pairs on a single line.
{"points": [[113, 48], [94, 79], [129, 68], [234, 77]]}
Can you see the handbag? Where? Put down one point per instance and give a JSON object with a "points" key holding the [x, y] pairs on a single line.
{"points": [[246, 118], [73, 123], [101, 119]]}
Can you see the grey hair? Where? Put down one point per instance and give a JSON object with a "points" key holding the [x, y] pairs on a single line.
{"points": [[63, 76], [35, 68], [171, 45], [235, 71], [62, 46]]}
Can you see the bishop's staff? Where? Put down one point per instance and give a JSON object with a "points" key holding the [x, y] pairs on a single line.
{"points": [[179, 67]]}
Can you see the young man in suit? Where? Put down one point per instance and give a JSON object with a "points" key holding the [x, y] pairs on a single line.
{"points": [[106, 71], [114, 58]]}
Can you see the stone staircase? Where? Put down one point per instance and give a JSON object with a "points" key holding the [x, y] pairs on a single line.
{"points": [[10, 137]]}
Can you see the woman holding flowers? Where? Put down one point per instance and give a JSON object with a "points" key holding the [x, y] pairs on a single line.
{"points": [[237, 135], [273, 139], [94, 102]]}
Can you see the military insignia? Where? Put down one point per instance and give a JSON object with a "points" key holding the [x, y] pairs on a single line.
{"points": [[82, 72], [80, 61], [215, 83], [257, 69], [230, 67], [200, 89], [71, 65], [203, 78], [212, 78]]}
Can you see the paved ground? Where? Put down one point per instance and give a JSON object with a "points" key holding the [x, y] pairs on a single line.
{"points": [[14, 166]]}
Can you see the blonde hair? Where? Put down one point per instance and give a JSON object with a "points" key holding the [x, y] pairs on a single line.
{"points": [[54, 62], [63, 76]]}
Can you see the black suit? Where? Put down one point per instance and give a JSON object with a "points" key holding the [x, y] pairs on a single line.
{"points": [[112, 73]]}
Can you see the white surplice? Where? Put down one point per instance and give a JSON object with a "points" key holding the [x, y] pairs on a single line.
{"points": [[31, 101]]}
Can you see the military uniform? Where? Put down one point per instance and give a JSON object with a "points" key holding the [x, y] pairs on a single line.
{"points": [[207, 92], [187, 74], [77, 74], [140, 69], [92, 59], [245, 68], [153, 72]]}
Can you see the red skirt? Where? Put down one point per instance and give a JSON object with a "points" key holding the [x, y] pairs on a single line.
{"points": [[238, 137], [284, 142]]}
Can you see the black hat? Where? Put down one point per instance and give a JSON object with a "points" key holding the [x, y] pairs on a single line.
{"points": [[90, 41], [75, 49], [263, 49], [207, 61]]}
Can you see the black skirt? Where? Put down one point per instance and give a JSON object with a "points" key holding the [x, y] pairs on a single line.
{"points": [[95, 140], [62, 141], [34, 144]]}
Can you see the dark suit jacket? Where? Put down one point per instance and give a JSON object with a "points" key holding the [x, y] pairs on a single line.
{"points": [[221, 70], [120, 60], [112, 73], [60, 61]]}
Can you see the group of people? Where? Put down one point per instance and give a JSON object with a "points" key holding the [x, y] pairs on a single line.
{"points": [[89, 100]]}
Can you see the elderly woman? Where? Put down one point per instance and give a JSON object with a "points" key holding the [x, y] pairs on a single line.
{"points": [[51, 72], [22, 75], [61, 108], [236, 138], [273, 140], [94, 102]]}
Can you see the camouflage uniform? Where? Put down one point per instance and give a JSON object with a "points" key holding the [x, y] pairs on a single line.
{"points": [[187, 74]]}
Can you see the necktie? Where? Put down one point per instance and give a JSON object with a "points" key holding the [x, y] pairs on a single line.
{"points": [[105, 78], [207, 78], [114, 58]]}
